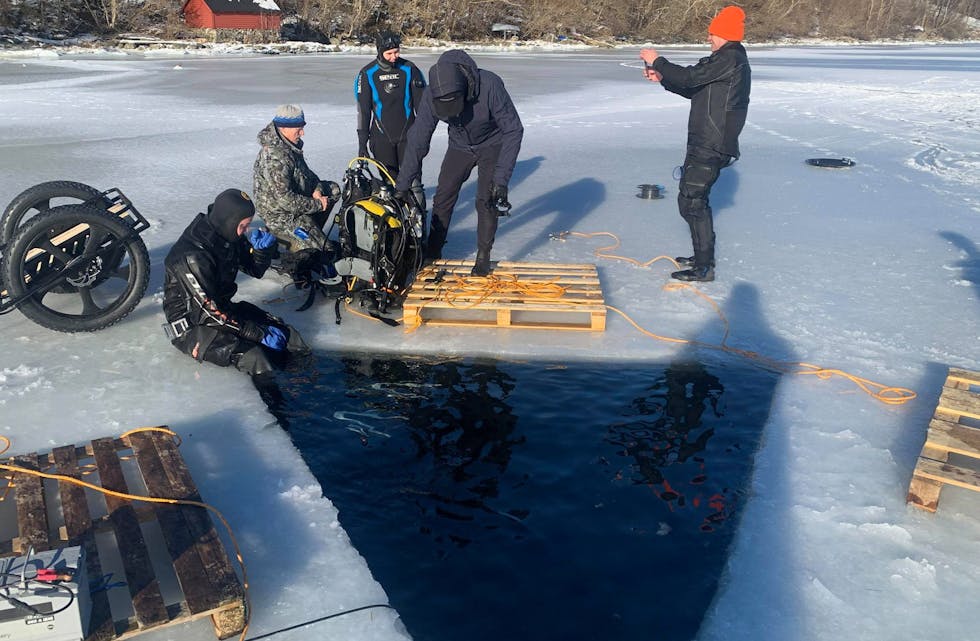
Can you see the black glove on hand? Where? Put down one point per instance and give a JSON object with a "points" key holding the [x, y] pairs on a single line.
{"points": [[362, 152], [405, 197], [330, 189], [498, 199], [252, 331]]}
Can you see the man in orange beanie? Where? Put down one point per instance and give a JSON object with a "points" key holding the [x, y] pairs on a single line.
{"points": [[718, 88]]}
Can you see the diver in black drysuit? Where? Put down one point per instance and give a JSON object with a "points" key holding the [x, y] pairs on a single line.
{"points": [[202, 319], [718, 87]]}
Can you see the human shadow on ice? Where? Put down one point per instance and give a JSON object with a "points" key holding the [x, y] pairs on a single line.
{"points": [[565, 207], [764, 537], [724, 190], [464, 242], [906, 444], [969, 266]]}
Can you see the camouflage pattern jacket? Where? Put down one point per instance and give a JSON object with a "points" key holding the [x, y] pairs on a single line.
{"points": [[283, 189]]}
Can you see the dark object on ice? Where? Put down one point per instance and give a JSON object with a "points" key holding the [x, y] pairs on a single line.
{"points": [[75, 267], [836, 163], [650, 192]]}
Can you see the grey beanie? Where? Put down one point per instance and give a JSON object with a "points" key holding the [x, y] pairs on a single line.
{"points": [[289, 116]]}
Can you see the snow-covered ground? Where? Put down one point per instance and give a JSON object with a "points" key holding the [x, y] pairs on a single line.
{"points": [[873, 269]]}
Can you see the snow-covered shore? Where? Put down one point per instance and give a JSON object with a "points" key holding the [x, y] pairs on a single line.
{"points": [[89, 46]]}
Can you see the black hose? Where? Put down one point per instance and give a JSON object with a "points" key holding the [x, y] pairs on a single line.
{"points": [[323, 618]]}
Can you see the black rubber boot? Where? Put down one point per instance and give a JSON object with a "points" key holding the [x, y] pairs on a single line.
{"points": [[433, 245], [684, 261], [481, 267], [695, 274]]}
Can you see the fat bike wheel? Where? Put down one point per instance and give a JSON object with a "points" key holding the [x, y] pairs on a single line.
{"points": [[101, 259], [41, 198]]}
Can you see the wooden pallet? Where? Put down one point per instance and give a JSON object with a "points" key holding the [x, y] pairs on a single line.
{"points": [[198, 563], [954, 429], [444, 294]]}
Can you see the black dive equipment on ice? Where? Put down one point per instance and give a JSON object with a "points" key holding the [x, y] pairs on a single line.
{"points": [[379, 246], [834, 163], [650, 192]]}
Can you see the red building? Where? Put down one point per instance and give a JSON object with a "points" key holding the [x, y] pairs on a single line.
{"points": [[232, 14]]}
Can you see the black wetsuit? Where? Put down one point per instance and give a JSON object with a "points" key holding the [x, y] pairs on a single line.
{"points": [[387, 95], [197, 300]]}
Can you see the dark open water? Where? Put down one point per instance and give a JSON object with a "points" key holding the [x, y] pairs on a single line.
{"points": [[498, 500]]}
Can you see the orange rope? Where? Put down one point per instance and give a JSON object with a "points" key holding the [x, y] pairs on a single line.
{"points": [[477, 289], [602, 252], [884, 393], [361, 314], [14, 469]]}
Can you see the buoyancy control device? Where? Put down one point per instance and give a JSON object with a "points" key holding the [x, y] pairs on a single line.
{"points": [[378, 249]]}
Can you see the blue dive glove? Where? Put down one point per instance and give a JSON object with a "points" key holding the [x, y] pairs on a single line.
{"points": [[274, 338], [261, 238]]}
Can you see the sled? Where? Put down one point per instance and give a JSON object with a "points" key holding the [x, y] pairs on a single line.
{"points": [[75, 266]]}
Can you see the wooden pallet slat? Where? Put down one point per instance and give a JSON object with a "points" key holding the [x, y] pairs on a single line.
{"points": [[952, 437], [948, 434], [180, 543], [230, 619], [964, 377], [144, 588], [32, 511], [948, 474], [79, 531], [208, 584], [435, 299], [959, 402]]}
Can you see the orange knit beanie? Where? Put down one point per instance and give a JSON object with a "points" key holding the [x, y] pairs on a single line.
{"points": [[728, 24]]}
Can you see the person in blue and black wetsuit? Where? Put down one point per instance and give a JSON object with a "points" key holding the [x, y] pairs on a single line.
{"points": [[387, 91]]}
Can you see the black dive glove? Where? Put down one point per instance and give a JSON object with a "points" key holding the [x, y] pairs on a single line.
{"points": [[252, 331], [498, 199], [404, 197]]}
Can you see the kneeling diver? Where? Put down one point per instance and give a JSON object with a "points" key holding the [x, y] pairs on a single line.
{"points": [[202, 319]]}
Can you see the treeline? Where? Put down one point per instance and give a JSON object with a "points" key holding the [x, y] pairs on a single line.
{"points": [[469, 20]]}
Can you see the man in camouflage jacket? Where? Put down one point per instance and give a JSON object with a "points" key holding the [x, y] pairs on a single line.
{"points": [[288, 195]]}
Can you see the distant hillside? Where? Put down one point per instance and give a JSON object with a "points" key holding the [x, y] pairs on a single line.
{"points": [[593, 21]]}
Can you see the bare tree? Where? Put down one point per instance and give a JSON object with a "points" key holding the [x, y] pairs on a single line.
{"points": [[104, 13], [590, 20]]}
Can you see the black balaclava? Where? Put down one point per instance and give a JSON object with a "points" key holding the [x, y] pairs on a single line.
{"points": [[448, 87], [384, 41], [230, 208]]}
